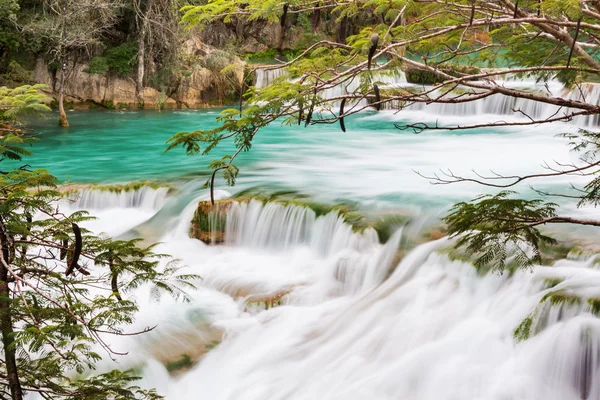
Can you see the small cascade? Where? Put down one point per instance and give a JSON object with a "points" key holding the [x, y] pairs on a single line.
{"points": [[502, 105], [497, 104], [145, 198], [264, 77], [278, 226], [387, 79]]}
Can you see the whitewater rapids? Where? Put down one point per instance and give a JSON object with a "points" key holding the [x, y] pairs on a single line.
{"points": [[352, 324]]}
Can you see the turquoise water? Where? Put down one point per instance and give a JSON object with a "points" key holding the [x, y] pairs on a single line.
{"points": [[372, 163]]}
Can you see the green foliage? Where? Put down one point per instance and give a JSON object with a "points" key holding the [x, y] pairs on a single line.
{"points": [[22, 101], [8, 9], [422, 77], [98, 66], [269, 56], [121, 59], [16, 73], [184, 362], [60, 312], [560, 297], [523, 331], [496, 228]]}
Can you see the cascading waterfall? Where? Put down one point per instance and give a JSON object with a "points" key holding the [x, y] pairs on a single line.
{"points": [[273, 225], [497, 104], [389, 79], [352, 325], [434, 329], [146, 198], [295, 305]]}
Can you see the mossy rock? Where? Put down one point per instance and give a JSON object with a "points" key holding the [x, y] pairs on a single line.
{"points": [[561, 297], [184, 363], [265, 301], [209, 221], [73, 188], [594, 303], [550, 283]]}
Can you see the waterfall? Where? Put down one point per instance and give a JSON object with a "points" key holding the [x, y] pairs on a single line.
{"points": [[387, 79], [145, 198], [497, 104], [434, 329], [501, 105], [355, 324], [278, 226], [264, 77]]}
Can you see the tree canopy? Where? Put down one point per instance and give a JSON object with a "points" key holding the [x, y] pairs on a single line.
{"points": [[63, 289]]}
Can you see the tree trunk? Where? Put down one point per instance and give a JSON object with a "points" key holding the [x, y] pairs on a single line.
{"points": [[141, 58], [62, 115], [6, 325], [343, 31], [316, 18], [282, 23]]}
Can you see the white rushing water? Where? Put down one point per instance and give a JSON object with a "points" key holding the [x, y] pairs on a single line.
{"points": [[295, 305], [496, 105], [434, 329]]}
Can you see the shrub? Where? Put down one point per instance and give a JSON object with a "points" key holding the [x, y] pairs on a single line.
{"points": [[121, 59], [97, 66]]}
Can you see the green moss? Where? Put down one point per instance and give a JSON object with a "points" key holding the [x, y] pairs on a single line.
{"points": [[422, 77], [108, 104], [523, 331], [211, 345], [594, 303], [550, 283], [208, 222], [183, 363], [122, 106], [114, 188], [559, 297], [386, 225], [552, 253]]}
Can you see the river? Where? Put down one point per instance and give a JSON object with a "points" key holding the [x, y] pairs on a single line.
{"points": [[344, 319]]}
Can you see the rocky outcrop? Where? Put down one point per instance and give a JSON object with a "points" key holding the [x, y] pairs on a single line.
{"points": [[198, 87]]}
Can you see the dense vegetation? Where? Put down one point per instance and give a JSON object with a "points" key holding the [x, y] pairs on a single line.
{"points": [[63, 290]]}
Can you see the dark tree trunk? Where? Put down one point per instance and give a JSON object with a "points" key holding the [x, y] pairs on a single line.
{"points": [[343, 30], [316, 19], [6, 324], [282, 22]]}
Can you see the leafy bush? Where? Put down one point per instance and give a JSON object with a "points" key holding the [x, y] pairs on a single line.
{"points": [[121, 59], [271, 54], [16, 73], [422, 77], [98, 66]]}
